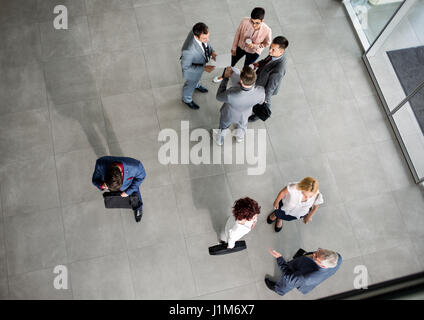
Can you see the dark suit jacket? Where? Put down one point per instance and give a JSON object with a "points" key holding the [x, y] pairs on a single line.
{"points": [[270, 76], [134, 172], [302, 273]]}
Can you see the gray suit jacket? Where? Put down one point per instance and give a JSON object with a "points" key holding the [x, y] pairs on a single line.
{"points": [[238, 102], [192, 58], [270, 76]]}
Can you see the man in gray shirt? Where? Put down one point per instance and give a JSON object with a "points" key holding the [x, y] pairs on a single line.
{"points": [[238, 103]]}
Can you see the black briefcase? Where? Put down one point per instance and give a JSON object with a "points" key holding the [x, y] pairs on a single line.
{"points": [[222, 248], [262, 111], [113, 200]]}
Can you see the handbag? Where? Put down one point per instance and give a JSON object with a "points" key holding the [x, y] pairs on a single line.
{"points": [[222, 248], [262, 111]]}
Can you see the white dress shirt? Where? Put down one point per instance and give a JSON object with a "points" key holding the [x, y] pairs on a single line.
{"points": [[200, 44], [234, 230], [293, 204]]}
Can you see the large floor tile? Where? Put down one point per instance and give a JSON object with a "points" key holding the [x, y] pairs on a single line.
{"points": [[4, 289], [76, 8], [331, 229], [34, 241], [130, 115], [247, 292], [357, 75], [330, 9], [160, 222], [92, 231], [392, 263], [75, 41], [104, 278], [20, 45], [70, 79], [76, 168], [340, 126], [3, 264], [162, 266], [17, 12], [341, 35], [240, 9], [291, 12], [204, 204], [18, 191], [114, 30], [266, 294], [289, 138], [167, 19], [377, 223], [78, 125], [324, 81], [95, 7], [216, 273], [358, 172], [38, 285], [22, 88], [25, 135], [121, 71]]}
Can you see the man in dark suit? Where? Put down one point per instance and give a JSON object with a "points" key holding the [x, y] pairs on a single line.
{"points": [[271, 70], [120, 174], [195, 53], [304, 272]]}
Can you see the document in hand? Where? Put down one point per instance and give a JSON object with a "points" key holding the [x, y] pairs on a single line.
{"points": [[222, 61]]}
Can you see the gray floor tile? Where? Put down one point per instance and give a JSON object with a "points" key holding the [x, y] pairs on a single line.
{"points": [[167, 19], [340, 126], [302, 11], [164, 59], [324, 81], [32, 143], [341, 35], [357, 76], [247, 292], [330, 9], [70, 79], [121, 71], [103, 278], [358, 173], [76, 8], [377, 223], [76, 168], [38, 285], [75, 41], [136, 116], [20, 45], [282, 130], [266, 294], [331, 229], [78, 125], [19, 179], [160, 222], [392, 263], [3, 263], [4, 289], [204, 204], [95, 7], [22, 88], [17, 12], [114, 30], [152, 272], [92, 231], [216, 273], [34, 241], [240, 9]]}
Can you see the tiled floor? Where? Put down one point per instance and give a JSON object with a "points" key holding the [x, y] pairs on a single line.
{"points": [[111, 82]]}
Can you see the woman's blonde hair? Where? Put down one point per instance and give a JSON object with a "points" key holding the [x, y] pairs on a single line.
{"points": [[308, 184]]}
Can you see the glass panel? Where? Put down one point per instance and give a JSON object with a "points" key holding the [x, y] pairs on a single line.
{"points": [[410, 122], [373, 15]]}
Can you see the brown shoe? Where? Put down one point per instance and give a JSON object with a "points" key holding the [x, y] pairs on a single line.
{"points": [[269, 220], [278, 228]]}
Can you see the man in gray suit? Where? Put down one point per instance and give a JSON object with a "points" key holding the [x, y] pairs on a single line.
{"points": [[238, 103], [271, 70], [195, 53]]}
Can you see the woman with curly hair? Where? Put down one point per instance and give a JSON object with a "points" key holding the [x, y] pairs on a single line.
{"points": [[244, 218], [296, 201]]}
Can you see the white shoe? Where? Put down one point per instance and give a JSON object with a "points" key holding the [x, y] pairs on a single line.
{"points": [[217, 80], [217, 137], [239, 140]]}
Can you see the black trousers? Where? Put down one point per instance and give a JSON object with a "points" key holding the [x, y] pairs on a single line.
{"points": [[240, 53]]}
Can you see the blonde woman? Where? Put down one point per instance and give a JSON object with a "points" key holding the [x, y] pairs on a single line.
{"points": [[296, 201]]}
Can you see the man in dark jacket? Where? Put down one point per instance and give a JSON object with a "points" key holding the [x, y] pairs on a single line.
{"points": [[304, 272], [271, 70], [120, 174]]}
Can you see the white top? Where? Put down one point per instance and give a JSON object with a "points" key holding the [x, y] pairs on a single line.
{"points": [[293, 205], [234, 230]]}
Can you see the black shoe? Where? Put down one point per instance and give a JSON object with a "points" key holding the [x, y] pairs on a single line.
{"points": [[253, 118], [192, 105], [138, 214], [202, 89], [278, 229], [270, 284], [268, 220]]}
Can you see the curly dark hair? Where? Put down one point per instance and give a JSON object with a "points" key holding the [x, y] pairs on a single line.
{"points": [[245, 208]]}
